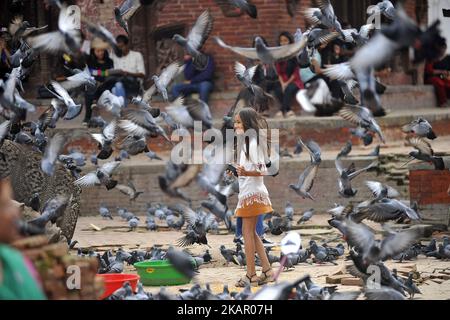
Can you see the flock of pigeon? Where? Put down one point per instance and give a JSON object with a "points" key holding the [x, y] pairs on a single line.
{"points": [[142, 122]]}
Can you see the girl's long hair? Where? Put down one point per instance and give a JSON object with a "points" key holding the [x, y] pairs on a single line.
{"points": [[252, 120]]}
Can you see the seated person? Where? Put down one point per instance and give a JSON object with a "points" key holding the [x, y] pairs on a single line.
{"points": [[438, 75], [18, 277], [99, 65], [131, 67], [289, 82], [197, 81], [5, 66]]}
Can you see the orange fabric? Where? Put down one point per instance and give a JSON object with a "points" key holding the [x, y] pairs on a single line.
{"points": [[253, 210]]}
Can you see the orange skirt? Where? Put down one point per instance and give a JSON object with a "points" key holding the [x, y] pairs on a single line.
{"points": [[253, 210]]}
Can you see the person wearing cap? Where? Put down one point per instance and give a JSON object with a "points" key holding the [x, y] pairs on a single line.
{"points": [[99, 64]]}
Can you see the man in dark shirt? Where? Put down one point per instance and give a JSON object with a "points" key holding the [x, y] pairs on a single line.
{"points": [[197, 81]]}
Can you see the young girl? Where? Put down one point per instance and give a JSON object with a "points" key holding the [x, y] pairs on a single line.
{"points": [[253, 195]]}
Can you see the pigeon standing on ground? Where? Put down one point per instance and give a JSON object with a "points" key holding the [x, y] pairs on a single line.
{"points": [[411, 287], [306, 216], [104, 212]]}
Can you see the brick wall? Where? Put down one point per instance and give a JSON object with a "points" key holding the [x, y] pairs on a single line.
{"points": [[429, 186], [145, 177]]}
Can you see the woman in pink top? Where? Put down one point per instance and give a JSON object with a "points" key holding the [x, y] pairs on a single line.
{"points": [[289, 79]]}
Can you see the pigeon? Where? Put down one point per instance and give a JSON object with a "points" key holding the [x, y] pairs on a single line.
{"points": [[362, 117], [289, 211], [424, 152], [125, 12], [97, 122], [245, 6], [19, 29], [182, 262], [198, 226], [383, 293], [52, 210], [430, 247], [229, 255], [123, 154], [346, 175], [150, 224], [245, 75], [141, 123], [411, 287], [4, 131], [175, 224], [73, 109], [364, 269], [324, 15], [317, 98], [375, 152], [363, 134], [279, 291], [124, 291], [384, 210], [111, 103], [102, 176], [162, 81], [104, 212], [81, 79], [101, 32], [306, 179], [306, 216], [363, 239], [345, 151], [186, 115], [105, 140], [196, 39], [152, 155], [298, 147], [51, 154], [267, 55], [386, 8], [129, 190], [380, 190], [117, 265], [133, 223], [421, 128], [66, 39]]}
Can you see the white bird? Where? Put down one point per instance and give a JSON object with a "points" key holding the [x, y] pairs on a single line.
{"points": [[111, 103], [66, 39]]}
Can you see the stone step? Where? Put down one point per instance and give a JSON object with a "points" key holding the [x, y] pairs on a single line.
{"points": [[400, 97]]}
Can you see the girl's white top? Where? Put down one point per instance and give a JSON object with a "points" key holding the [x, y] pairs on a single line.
{"points": [[252, 189]]}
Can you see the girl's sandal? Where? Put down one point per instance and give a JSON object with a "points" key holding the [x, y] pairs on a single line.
{"points": [[247, 280], [266, 277]]}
